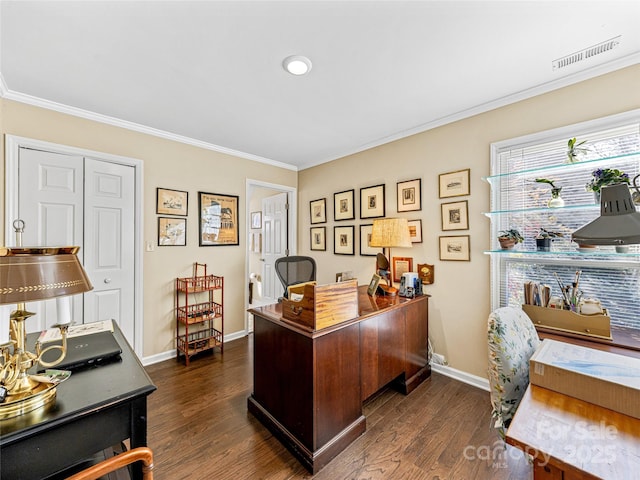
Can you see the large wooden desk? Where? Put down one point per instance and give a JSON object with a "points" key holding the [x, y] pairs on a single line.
{"points": [[571, 439], [94, 409], [308, 387]]}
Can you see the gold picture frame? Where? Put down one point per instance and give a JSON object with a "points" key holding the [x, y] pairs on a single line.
{"points": [[455, 248], [172, 202]]}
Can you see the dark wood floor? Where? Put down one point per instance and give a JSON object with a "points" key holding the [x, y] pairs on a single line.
{"points": [[199, 428]]}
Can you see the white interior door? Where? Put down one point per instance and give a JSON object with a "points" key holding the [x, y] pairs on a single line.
{"points": [[109, 239], [72, 200], [50, 197], [274, 242]]}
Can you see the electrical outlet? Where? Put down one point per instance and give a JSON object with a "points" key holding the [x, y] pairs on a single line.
{"points": [[149, 246]]}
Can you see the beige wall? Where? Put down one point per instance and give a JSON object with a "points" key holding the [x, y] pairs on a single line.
{"points": [[460, 300], [166, 164]]}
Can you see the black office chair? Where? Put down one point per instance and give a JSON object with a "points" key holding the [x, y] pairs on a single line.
{"points": [[295, 269]]}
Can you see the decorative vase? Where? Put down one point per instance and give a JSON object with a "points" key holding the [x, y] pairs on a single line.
{"points": [[556, 200], [506, 243], [543, 244], [596, 197]]}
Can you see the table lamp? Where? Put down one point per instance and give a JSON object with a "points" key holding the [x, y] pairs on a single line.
{"points": [[31, 274], [618, 223], [388, 233]]}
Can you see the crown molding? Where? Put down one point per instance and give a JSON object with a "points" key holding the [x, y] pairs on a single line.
{"points": [[96, 117]]}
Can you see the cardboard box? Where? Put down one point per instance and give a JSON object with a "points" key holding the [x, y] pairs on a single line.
{"points": [[567, 321], [322, 306], [606, 379]]}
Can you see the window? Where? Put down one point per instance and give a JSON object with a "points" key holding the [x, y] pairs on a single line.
{"points": [[518, 201]]}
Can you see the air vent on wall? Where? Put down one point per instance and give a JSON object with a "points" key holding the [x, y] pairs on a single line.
{"points": [[587, 53]]}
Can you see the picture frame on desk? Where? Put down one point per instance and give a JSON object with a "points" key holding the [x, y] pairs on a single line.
{"points": [[373, 284]]}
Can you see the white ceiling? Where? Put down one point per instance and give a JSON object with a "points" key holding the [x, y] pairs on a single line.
{"points": [[210, 72]]}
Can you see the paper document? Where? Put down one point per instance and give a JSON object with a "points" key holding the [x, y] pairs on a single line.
{"points": [[53, 334]]}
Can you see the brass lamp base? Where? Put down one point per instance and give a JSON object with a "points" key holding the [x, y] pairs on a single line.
{"points": [[16, 405], [388, 290]]}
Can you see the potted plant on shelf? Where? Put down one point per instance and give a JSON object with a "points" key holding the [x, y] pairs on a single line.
{"points": [[544, 239], [575, 150], [603, 177], [556, 200], [509, 238]]}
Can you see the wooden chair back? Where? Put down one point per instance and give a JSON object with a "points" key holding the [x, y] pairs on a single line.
{"points": [[142, 454]]}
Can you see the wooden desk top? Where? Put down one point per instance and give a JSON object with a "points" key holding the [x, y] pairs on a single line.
{"points": [[582, 439], [367, 306]]}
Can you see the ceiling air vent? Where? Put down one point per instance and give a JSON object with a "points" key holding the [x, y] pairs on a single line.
{"points": [[586, 53]]}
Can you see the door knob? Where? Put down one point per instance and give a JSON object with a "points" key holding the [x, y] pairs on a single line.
{"points": [[107, 280]]}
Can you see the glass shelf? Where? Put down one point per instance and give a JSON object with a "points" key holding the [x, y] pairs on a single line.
{"points": [[610, 255], [584, 164], [543, 209]]}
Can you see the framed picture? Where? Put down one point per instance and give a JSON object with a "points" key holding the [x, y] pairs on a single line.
{"points": [[343, 240], [318, 210], [343, 205], [171, 202], [373, 284], [426, 273], [454, 184], [409, 195], [172, 232], [372, 202], [400, 266], [455, 248], [365, 237], [256, 242], [415, 230], [455, 215], [319, 238], [256, 219], [218, 219]]}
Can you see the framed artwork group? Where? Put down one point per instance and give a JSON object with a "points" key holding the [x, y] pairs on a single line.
{"points": [[454, 215], [172, 231]]}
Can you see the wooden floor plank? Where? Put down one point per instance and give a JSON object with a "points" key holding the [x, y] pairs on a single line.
{"points": [[199, 428]]}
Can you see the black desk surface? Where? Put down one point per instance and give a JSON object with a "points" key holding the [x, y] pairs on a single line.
{"points": [[93, 392]]}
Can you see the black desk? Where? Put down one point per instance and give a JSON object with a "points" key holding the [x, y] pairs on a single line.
{"points": [[94, 410]]}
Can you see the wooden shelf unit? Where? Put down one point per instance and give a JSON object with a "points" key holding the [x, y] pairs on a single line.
{"points": [[199, 313]]}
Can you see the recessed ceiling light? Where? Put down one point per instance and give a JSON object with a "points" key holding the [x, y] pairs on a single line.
{"points": [[297, 65]]}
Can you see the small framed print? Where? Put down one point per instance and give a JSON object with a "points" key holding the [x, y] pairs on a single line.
{"points": [[373, 284], [256, 219], [454, 184], [401, 265], [372, 202], [318, 210], [365, 238], [409, 195], [343, 240], [171, 202], [343, 205], [172, 232], [319, 238], [256, 242], [415, 230], [455, 248], [426, 273], [455, 215]]}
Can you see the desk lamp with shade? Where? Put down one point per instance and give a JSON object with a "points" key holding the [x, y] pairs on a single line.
{"points": [[389, 233], [618, 223], [32, 274]]}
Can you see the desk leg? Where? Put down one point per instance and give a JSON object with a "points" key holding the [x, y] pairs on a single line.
{"points": [[138, 431]]}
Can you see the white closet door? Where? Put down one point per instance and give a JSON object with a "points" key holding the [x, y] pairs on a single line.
{"points": [[50, 200], [109, 238]]}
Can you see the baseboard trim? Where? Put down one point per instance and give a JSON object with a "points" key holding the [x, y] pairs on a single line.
{"points": [[461, 376], [169, 354]]}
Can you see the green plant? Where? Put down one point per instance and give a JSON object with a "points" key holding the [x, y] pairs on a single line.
{"points": [[512, 233], [575, 148], [606, 176], [544, 233], [547, 181]]}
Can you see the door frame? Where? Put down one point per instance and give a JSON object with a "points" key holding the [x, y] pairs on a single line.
{"points": [[292, 228], [12, 147]]}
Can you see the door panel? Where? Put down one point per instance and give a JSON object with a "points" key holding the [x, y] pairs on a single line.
{"points": [[109, 230], [274, 238], [50, 197]]}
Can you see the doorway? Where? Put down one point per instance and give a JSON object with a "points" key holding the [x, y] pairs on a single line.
{"points": [[76, 197], [282, 238]]}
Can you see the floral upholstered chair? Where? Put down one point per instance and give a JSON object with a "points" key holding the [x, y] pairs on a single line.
{"points": [[512, 341]]}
